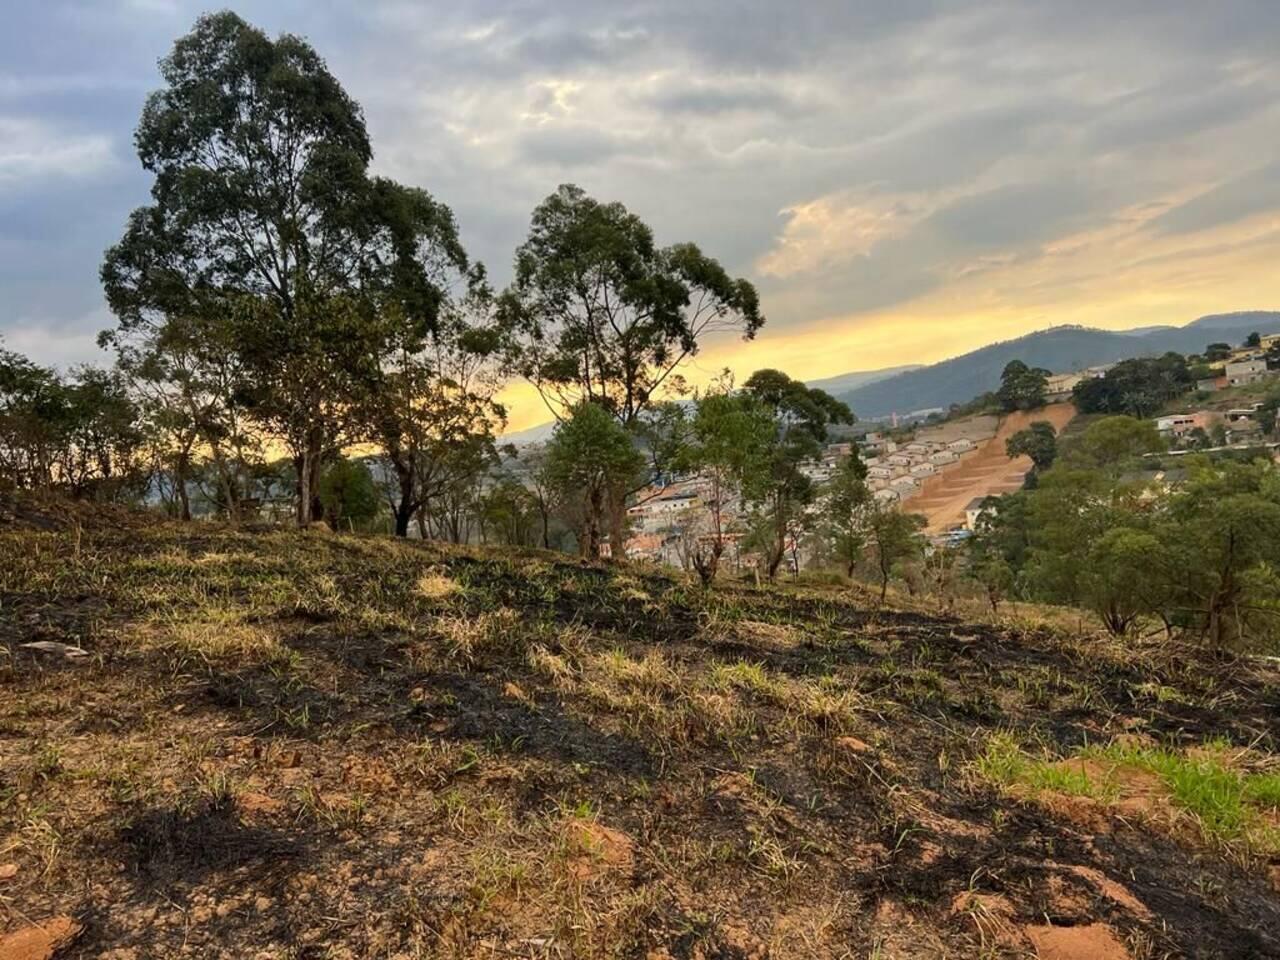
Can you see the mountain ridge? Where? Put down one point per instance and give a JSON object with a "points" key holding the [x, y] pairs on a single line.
{"points": [[1060, 349]]}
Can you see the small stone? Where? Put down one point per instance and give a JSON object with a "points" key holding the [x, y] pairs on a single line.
{"points": [[8, 871], [42, 941]]}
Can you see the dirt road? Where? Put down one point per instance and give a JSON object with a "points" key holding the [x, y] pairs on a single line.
{"points": [[988, 471]]}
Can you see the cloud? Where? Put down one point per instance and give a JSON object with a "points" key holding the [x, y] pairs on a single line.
{"points": [[1257, 191], [859, 161], [33, 150]]}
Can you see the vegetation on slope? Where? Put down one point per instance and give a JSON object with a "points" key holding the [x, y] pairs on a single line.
{"points": [[296, 744]]}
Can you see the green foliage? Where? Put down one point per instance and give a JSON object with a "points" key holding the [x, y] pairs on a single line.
{"points": [[590, 453], [599, 313], [777, 487], [1217, 352], [1138, 387], [726, 441], [78, 433], [267, 235], [1022, 387], [894, 539], [348, 494], [1112, 445], [1038, 441], [845, 512]]}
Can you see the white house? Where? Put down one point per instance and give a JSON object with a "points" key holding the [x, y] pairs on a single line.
{"points": [[899, 460], [880, 473], [886, 495], [905, 485], [943, 457], [923, 470], [972, 512], [963, 445]]}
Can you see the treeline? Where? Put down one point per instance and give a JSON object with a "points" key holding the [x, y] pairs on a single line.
{"points": [[280, 309], [1194, 549]]}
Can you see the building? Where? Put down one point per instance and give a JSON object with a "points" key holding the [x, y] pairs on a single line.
{"points": [[973, 512], [923, 470], [1241, 372], [886, 495], [905, 486], [1058, 386], [943, 457], [1211, 384], [963, 445]]}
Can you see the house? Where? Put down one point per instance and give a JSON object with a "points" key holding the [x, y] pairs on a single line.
{"points": [[916, 446], [1240, 372], [1211, 384], [943, 457], [923, 470], [881, 473], [839, 449], [973, 511], [1058, 386], [963, 445], [886, 495], [905, 485], [1180, 424], [898, 460]]}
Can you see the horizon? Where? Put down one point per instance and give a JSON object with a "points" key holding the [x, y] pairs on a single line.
{"points": [[903, 185]]}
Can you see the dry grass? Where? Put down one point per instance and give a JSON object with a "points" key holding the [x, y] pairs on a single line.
{"points": [[296, 745]]}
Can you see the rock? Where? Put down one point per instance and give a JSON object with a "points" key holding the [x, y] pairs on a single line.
{"points": [[8, 871], [40, 942], [53, 648]]}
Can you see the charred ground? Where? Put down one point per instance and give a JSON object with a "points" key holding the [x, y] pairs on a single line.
{"points": [[298, 745]]}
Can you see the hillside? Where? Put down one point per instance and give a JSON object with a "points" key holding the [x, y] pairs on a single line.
{"points": [[301, 745], [1059, 349]]}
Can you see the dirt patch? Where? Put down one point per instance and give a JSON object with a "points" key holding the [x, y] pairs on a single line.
{"points": [[987, 471], [1093, 941], [42, 941], [1113, 891], [595, 849]]}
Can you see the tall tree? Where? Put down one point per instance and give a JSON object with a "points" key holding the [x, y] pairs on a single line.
{"points": [[1038, 441], [894, 539], [599, 313], [845, 511], [263, 214], [723, 443], [779, 488], [590, 454], [1022, 387]]}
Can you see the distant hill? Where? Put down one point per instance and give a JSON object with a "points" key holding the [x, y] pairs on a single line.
{"points": [[860, 378], [1060, 349]]}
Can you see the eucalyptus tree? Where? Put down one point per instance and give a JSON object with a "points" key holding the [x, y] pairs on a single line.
{"points": [[264, 218], [599, 313], [778, 487]]}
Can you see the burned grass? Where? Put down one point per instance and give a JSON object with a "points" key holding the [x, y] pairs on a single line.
{"points": [[296, 745]]}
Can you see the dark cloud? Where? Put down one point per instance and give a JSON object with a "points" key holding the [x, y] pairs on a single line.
{"points": [[1016, 122]]}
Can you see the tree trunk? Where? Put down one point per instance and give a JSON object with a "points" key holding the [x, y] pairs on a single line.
{"points": [[180, 479], [617, 506], [404, 510]]}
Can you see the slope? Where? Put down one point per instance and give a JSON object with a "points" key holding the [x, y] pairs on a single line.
{"points": [[303, 745]]}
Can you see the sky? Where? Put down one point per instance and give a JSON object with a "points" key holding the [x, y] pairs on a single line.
{"points": [[903, 181]]}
